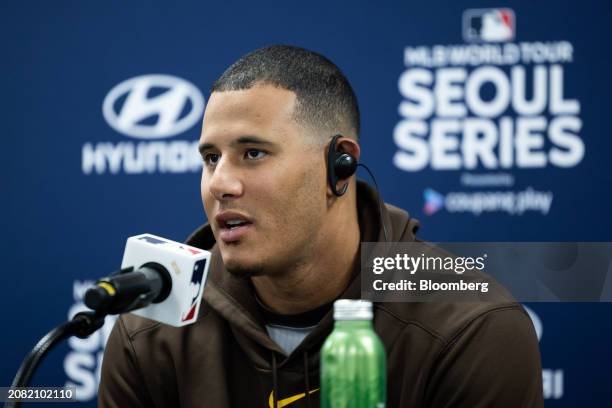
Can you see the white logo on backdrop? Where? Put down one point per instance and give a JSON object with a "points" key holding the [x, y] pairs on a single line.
{"points": [[485, 109], [178, 96], [149, 107], [488, 25], [553, 379], [83, 361], [537, 323]]}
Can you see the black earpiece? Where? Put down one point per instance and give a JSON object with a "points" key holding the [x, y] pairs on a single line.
{"points": [[340, 166]]}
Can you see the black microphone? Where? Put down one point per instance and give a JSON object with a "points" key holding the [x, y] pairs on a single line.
{"points": [[130, 289]]}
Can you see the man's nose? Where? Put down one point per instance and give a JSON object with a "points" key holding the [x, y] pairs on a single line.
{"points": [[225, 182]]}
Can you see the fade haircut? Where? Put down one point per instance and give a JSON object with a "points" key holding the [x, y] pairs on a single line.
{"points": [[325, 101]]}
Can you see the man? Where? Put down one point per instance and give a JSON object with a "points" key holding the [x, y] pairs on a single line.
{"points": [[284, 248]]}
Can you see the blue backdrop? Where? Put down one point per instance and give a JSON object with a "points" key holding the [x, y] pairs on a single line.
{"points": [[487, 123]]}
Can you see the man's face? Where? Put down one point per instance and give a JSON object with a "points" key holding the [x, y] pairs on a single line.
{"points": [[263, 182]]}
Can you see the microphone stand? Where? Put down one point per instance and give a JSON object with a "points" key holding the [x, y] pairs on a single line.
{"points": [[82, 325], [138, 290]]}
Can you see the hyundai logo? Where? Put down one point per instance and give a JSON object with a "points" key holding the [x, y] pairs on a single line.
{"points": [[153, 106]]}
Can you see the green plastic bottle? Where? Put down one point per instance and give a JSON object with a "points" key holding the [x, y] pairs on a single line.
{"points": [[353, 360]]}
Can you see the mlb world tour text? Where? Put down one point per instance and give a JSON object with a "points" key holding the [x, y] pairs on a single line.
{"points": [[496, 105]]}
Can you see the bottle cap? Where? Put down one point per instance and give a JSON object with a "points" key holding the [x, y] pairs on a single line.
{"points": [[352, 309]]}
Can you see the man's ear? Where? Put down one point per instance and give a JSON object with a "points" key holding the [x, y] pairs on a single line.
{"points": [[350, 146]]}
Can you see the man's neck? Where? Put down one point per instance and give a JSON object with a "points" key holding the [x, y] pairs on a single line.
{"points": [[321, 279]]}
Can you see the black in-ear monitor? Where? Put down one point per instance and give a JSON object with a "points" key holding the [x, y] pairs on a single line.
{"points": [[340, 166]]}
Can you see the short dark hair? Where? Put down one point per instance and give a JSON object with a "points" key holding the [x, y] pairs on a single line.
{"points": [[326, 101]]}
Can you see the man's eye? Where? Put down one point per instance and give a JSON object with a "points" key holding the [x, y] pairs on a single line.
{"points": [[211, 159], [254, 154]]}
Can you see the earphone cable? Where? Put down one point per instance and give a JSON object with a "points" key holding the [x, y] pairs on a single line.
{"points": [[380, 209]]}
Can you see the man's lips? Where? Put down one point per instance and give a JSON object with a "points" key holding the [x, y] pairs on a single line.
{"points": [[234, 234], [232, 225]]}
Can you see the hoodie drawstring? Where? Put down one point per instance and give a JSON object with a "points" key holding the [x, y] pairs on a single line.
{"points": [[274, 381], [307, 378]]}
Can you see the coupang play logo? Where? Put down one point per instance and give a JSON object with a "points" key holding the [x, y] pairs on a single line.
{"points": [[434, 201], [150, 109], [485, 110]]}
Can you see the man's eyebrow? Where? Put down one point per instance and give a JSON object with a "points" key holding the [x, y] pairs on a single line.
{"points": [[205, 146], [253, 140], [250, 140]]}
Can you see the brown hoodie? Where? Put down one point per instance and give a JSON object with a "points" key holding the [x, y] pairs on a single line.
{"points": [[438, 354]]}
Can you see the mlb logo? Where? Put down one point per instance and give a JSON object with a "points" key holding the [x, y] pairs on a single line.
{"points": [[195, 292], [488, 25]]}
